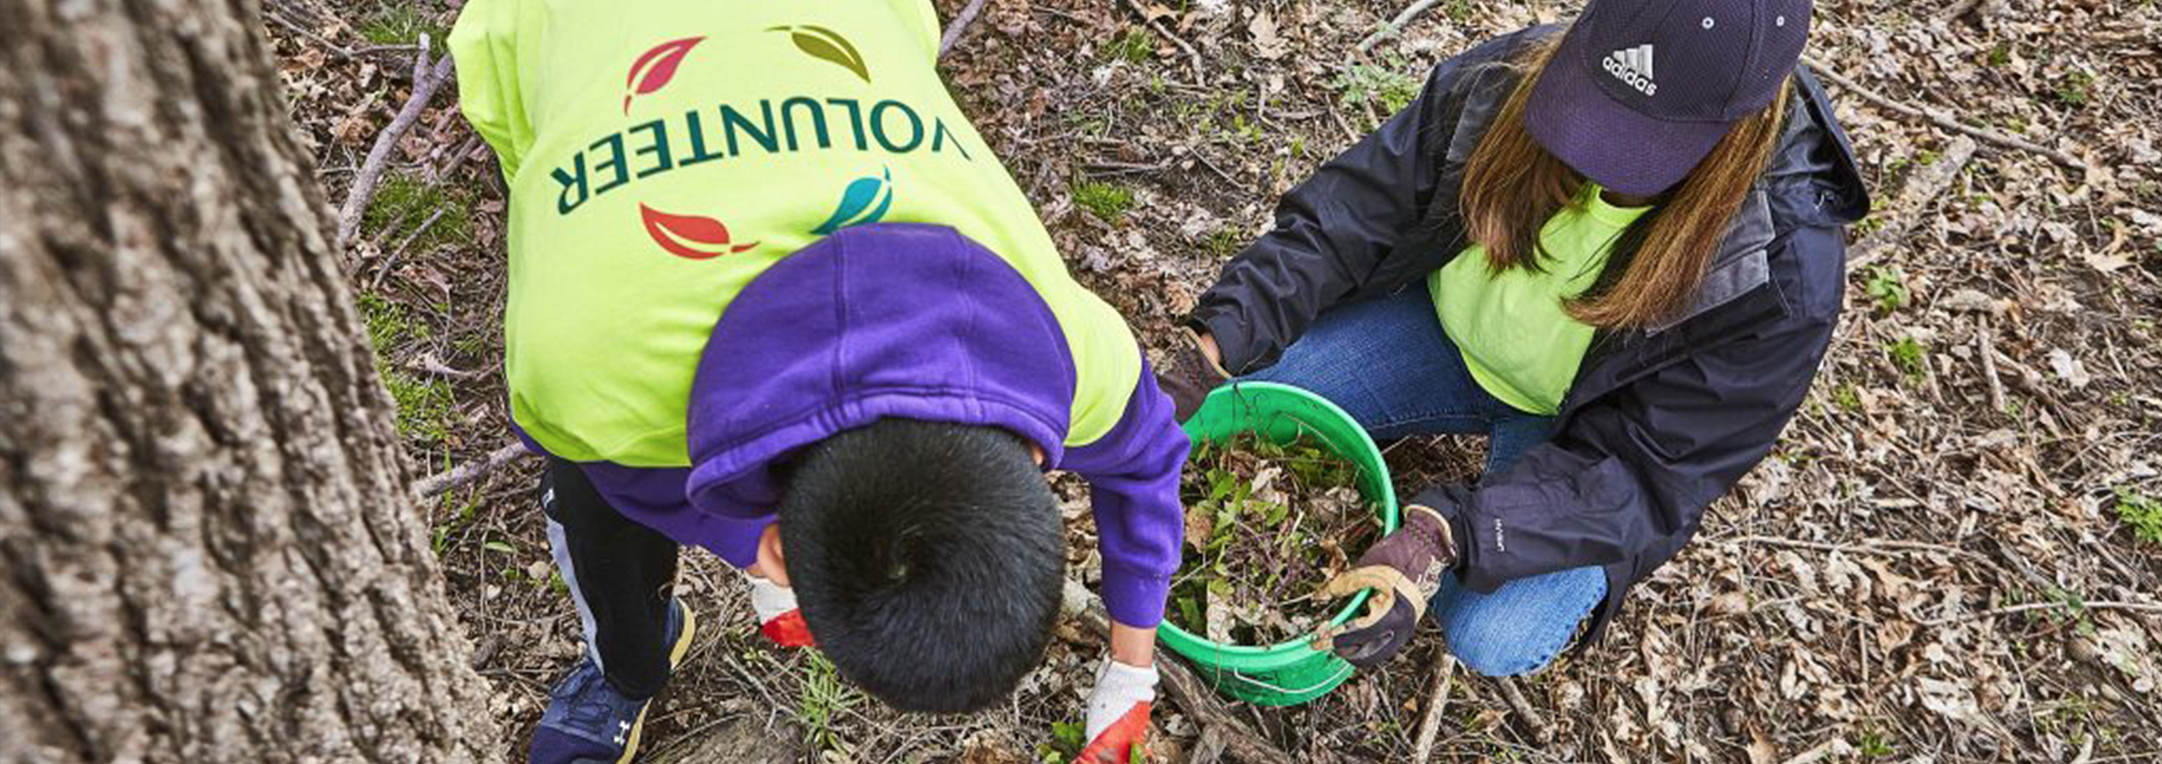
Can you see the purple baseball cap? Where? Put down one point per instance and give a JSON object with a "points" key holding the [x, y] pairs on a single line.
{"points": [[1641, 90]]}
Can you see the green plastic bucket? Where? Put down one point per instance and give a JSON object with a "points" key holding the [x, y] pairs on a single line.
{"points": [[1290, 673]]}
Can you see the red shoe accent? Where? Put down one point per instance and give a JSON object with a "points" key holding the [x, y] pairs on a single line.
{"points": [[1119, 739], [788, 630]]}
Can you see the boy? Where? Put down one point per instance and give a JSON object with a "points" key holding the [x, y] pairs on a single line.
{"points": [[772, 295]]}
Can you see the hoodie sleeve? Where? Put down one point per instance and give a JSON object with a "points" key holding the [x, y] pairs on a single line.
{"points": [[1133, 475]]}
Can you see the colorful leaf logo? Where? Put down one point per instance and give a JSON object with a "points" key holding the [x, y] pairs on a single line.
{"points": [[857, 204], [823, 43], [655, 68], [690, 236]]}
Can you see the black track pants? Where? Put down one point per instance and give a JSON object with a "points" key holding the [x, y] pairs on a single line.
{"points": [[620, 574]]}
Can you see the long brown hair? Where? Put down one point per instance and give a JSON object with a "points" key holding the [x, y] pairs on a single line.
{"points": [[1512, 185]]}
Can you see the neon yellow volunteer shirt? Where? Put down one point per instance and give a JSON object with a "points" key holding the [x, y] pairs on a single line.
{"points": [[1518, 343], [661, 154]]}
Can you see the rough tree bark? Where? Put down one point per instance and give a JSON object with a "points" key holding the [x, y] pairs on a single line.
{"points": [[207, 552]]}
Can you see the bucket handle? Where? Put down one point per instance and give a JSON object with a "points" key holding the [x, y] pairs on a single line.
{"points": [[1339, 676]]}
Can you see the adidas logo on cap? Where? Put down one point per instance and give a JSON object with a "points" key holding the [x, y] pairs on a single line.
{"points": [[1634, 66]]}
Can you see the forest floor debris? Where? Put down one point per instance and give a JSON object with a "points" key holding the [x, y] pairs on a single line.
{"points": [[1912, 575]]}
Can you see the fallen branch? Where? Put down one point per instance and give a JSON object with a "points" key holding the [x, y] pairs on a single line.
{"points": [[959, 26], [1939, 119], [1186, 687], [1430, 722], [1532, 718], [1986, 345], [1396, 25], [1889, 546], [468, 472], [426, 80], [1922, 188], [2012, 609]]}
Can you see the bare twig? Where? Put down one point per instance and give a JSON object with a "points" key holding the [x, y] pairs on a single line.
{"points": [[1193, 56], [1430, 722], [959, 26], [1540, 731], [1921, 190], [1888, 546], [432, 485], [2011, 609], [1186, 687], [1396, 25], [1942, 120], [1985, 339], [426, 80], [1209, 748], [1829, 748]]}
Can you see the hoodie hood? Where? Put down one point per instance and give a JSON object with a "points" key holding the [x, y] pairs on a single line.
{"points": [[897, 320]]}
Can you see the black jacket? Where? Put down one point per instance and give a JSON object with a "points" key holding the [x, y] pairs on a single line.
{"points": [[1659, 422]]}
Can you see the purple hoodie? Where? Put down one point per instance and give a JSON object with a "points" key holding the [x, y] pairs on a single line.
{"points": [[907, 321]]}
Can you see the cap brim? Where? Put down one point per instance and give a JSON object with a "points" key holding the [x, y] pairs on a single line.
{"points": [[1615, 146]]}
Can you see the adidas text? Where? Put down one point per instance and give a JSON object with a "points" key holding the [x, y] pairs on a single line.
{"points": [[1634, 67]]}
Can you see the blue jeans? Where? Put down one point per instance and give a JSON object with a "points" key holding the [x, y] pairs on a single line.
{"points": [[1388, 363]]}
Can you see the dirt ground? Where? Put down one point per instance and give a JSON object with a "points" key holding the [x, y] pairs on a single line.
{"points": [[1952, 557]]}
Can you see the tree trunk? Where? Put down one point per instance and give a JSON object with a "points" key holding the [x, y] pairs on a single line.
{"points": [[207, 549]]}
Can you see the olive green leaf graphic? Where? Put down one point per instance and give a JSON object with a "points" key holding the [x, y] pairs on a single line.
{"points": [[827, 44]]}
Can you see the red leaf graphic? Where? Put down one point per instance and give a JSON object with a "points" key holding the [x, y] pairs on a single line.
{"points": [[689, 236], [655, 68]]}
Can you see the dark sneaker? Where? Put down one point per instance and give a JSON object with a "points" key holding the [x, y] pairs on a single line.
{"points": [[588, 722]]}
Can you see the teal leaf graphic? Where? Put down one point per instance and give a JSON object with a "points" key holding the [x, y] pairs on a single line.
{"points": [[857, 202], [826, 44]]}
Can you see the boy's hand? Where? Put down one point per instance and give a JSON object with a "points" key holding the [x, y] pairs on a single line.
{"points": [[1405, 571], [1118, 720], [778, 617], [1192, 367]]}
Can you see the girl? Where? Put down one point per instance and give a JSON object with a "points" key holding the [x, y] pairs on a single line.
{"points": [[1617, 250]]}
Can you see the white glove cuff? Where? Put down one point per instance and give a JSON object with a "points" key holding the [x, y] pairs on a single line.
{"points": [[770, 600], [1119, 687]]}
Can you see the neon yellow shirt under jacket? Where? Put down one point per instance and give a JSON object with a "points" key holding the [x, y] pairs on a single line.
{"points": [[1517, 341], [661, 154]]}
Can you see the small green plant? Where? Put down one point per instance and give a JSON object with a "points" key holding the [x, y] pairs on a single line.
{"points": [[1103, 199], [424, 405], [1888, 287], [403, 204], [1910, 357], [822, 701], [1387, 87], [2000, 54], [1222, 243], [1848, 397], [1874, 744], [2075, 89], [1065, 744], [1132, 46], [2140, 512], [403, 23]]}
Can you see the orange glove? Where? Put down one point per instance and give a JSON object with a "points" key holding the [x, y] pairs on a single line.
{"points": [[1118, 719]]}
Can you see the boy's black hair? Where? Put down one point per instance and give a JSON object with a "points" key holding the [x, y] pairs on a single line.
{"points": [[928, 559]]}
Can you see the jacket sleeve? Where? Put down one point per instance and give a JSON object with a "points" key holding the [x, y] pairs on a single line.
{"points": [[1631, 474], [1334, 230], [1133, 475]]}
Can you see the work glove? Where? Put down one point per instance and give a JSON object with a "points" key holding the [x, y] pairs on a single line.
{"points": [[1404, 570], [1118, 720], [1188, 374], [778, 616]]}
